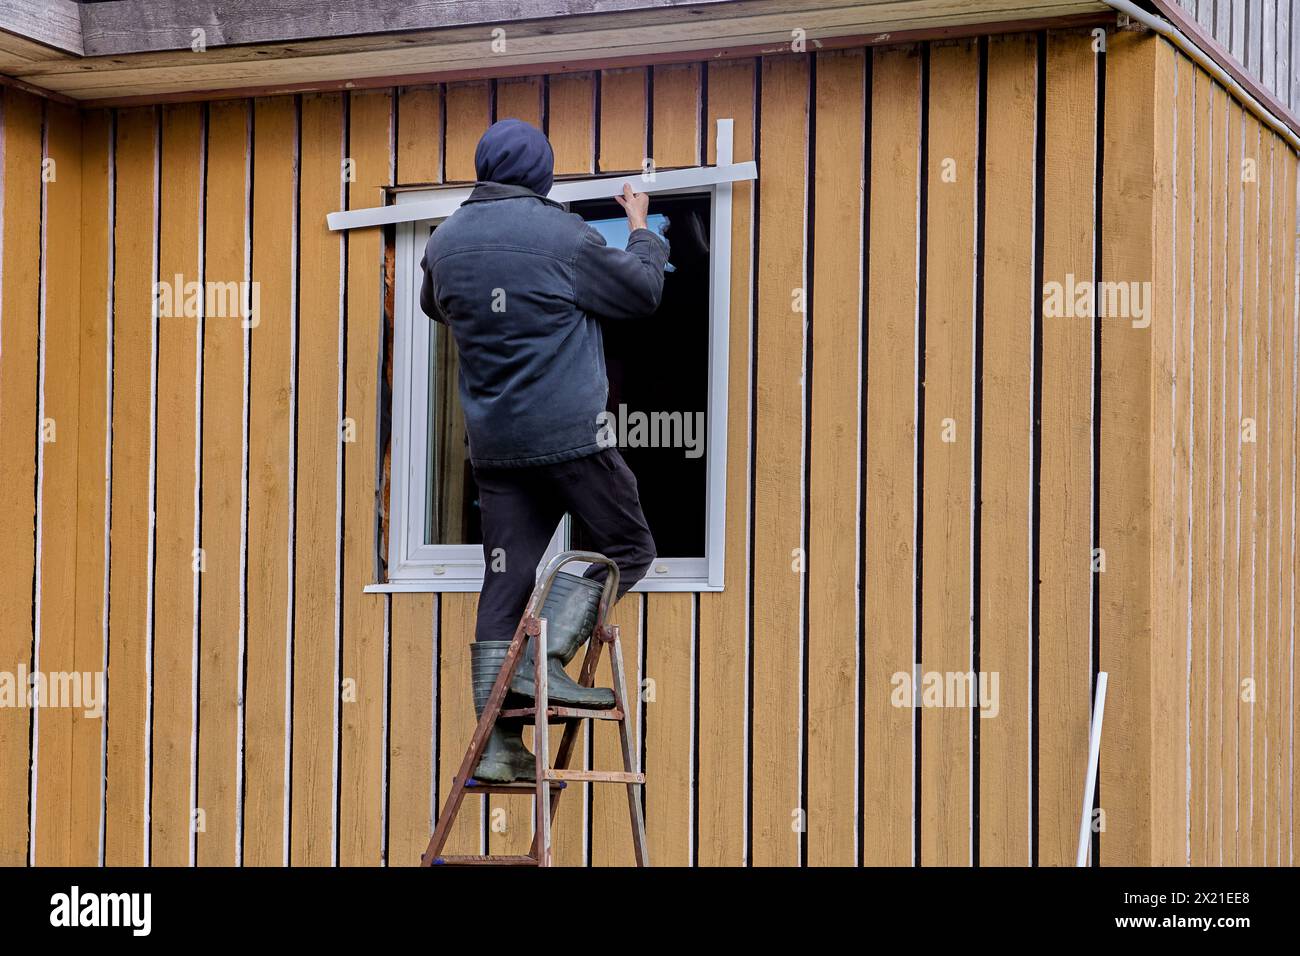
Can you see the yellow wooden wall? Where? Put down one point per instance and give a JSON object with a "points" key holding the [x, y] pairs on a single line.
{"points": [[1225, 421], [919, 468]]}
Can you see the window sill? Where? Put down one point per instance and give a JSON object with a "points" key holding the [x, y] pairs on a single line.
{"points": [[472, 587]]}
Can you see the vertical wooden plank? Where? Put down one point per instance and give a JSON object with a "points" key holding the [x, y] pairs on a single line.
{"points": [[1293, 345], [669, 666], [129, 571], [622, 135], [947, 507], [315, 680], [361, 778], [1279, 771], [1264, 488], [676, 115], [1215, 571], [888, 587], [611, 830], [778, 810], [670, 618], [467, 120], [835, 457], [723, 641], [86, 790], [1281, 87], [573, 97], [1281, 434], [411, 744], [1238, 32], [1141, 791], [1066, 472], [1223, 23], [1205, 14], [58, 570], [520, 97], [1295, 59], [176, 581], [410, 738], [1199, 802], [1278, 678], [1254, 40], [456, 716], [1260, 710], [1006, 450], [1249, 365], [1168, 650], [1180, 389], [1232, 449], [1269, 55], [419, 135], [676, 112], [23, 118], [1268, 45], [1284, 297], [221, 590], [270, 477], [1203, 800]]}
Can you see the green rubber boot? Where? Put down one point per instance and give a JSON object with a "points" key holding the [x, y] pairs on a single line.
{"points": [[570, 612], [505, 758]]}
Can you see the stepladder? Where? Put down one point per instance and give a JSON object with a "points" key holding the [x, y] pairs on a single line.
{"points": [[551, 780]]}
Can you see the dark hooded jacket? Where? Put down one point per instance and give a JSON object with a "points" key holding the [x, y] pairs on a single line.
{"points": [[523, 285]]}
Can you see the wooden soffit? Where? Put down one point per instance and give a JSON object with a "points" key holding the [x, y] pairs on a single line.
{"points": [[155, 50]]}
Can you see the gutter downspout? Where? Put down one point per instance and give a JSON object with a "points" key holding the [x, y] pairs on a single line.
{"points": [[1178, 39]]}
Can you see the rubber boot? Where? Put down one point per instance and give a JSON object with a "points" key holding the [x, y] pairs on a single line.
{"points": [[505, 759], [570, 612]]}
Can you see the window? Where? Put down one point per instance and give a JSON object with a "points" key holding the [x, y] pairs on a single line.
{"points": [[667, 398]]}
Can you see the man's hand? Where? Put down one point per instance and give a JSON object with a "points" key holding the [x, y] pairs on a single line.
{"points": [[636, 205]]}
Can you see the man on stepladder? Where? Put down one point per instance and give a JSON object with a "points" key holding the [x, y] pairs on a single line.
{"points": [[523, 286]]}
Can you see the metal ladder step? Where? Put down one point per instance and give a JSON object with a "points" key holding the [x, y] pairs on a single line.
{"points": [[486, 786], [596, 776], [559, 714]]}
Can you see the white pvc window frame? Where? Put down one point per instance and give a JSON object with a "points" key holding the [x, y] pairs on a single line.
{"points": [[416, 566]]}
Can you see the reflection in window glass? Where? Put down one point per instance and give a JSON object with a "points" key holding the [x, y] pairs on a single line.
{"points": [[451, 496]]}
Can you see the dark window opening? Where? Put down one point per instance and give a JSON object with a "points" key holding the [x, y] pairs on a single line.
{"points": [[658, 369]]}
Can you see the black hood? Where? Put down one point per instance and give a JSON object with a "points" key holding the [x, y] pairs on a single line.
{"points": [[515, 153]]}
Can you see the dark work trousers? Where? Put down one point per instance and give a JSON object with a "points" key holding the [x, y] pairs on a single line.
{"points": [[520, 509]]}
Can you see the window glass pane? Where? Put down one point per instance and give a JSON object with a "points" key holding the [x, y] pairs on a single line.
{"points": [[658, 371], [451, 496]]}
